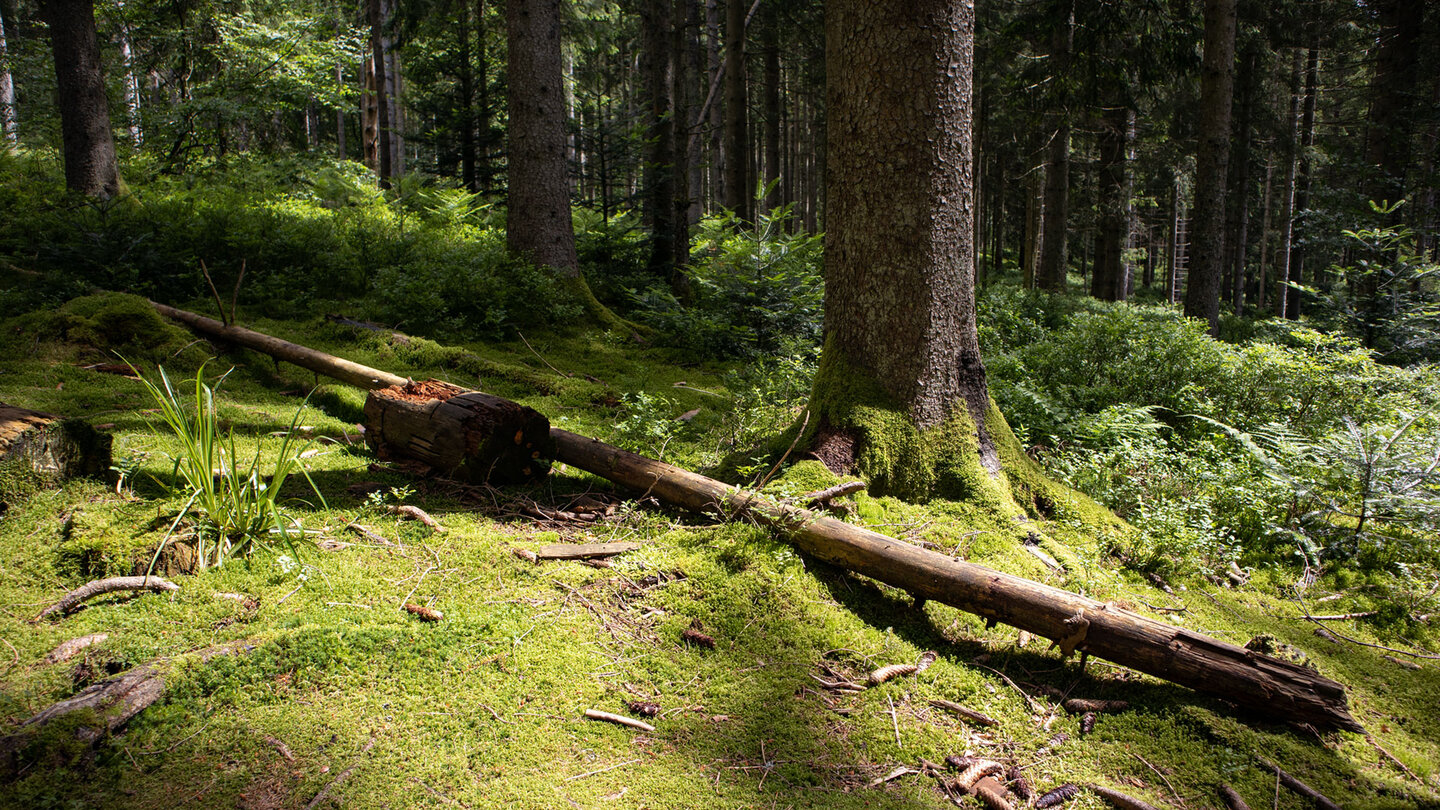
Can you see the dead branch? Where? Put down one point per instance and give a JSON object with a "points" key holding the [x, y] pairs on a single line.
{"points": [[1299, 787], [823, 497], [416, 513], [100, 587], [1083, 706], [280, 747], [1232, 799], [1119, 799], [965, 712], [340, 777], [620, 719], [583, 551], [67, 649]]}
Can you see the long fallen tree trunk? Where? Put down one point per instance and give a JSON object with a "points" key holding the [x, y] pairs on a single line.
{"points": [[1244, 677]]}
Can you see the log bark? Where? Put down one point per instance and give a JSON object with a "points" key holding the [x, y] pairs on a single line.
{"points": [[1253, 680], [114, 703], [464, 435], [40, 449], [1250, 679]]}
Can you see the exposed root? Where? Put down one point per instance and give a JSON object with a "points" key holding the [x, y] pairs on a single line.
{"points": [[416, 513], [101, 587], [67, 650], [965, 712]]}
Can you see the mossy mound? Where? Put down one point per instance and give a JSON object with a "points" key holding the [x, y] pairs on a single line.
{"points": [[109, 325]]}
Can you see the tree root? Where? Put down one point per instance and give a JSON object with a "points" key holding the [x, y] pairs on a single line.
{"points": [[99, 587]]}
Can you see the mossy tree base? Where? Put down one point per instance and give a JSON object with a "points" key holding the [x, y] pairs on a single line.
{"points": [[38, 450]]}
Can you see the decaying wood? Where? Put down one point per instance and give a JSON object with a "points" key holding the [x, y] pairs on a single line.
{"points": [[67, 649], [1251, 679], [620, 719], [525, 554], [424, 613], [973, 716], [416, 513], [1083, 705], [822, 497], [1058, 796], [583, 551], [99, 587], [49, 448], [1247, 678], [1299, 787], [1119, 799], [113, 703], [460, 434], [1232, 799]]}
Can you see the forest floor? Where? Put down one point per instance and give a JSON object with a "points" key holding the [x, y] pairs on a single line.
{"points": [[347, 699]]}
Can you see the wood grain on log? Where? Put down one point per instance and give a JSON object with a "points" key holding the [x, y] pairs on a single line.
{"points": [[465, 435], [583, 551], [49, 448], [1251, 679]]}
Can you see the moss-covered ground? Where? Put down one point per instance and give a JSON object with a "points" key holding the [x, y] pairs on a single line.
{"points": [[484, 708]]}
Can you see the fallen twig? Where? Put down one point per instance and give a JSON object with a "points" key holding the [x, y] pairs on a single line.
{"points": [[892, 776], [824, 496], [416, 513], [1232, 799], [99, 587], [965, 712], [620, 719], [280, 747], [369, 535], [1119, 799], [1299, 787], [602, 770], [340, 777], [67, 649], [1391, 757], [583, 551]]}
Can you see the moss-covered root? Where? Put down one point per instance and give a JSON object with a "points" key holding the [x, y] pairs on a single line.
{"points": [[600, 314]]}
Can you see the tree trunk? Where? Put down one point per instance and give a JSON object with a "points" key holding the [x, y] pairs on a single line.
{"points": [[770, 39], [737, 179], [485, 172], [89, 144], [685, 14], [1302, 178], [658, 197], [394, 92], [1239, 213], [1034, 235], [340, 150], [900, 333], [1390, 123], [1109, 280], [379, 85], [1287, 192], [1054, 240], [9, 120], [538, 224], [1265, 236], [466, 102], [714, 125], [1217, 82], [685, 99]]}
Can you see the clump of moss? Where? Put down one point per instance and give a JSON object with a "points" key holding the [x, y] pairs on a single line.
{"points": [[110, 324]]}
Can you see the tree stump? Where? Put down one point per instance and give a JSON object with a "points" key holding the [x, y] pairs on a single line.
{"points": [[460, 434], [41, 450]]}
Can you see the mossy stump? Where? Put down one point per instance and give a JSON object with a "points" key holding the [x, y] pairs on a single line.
{"points": [[39, 450]]}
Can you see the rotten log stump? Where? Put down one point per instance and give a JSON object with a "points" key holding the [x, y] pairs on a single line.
{"points": [[40, 450], [460, 434]]}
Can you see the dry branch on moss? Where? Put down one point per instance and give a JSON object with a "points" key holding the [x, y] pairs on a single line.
{"points": [[1299, 787], [67, 649], [405, 510], [1232, 799], [100, 587], [1119, 799], [619, 719], [970, 714], [583, 551]]}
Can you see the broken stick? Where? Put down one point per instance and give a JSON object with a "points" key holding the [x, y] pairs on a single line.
{"points": [[99, 587], [620, 719]]}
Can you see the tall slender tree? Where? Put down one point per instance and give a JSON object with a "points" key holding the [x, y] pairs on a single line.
{"points": [[1054, 241], [737, 108], [1217, 84], [9, 121]]}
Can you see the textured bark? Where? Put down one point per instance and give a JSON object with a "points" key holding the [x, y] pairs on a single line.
{"points": [[737, 164], [1302, 177], [1217, 84], [37, 448], [1238, 222], [659, 167], [770, 38], [1054, 241], [1261, 279], [899, 255], [1250, 679], [383, 124], [459, 434], [9, 127], [89, 145], [467, 101], [1392, 87], [538, 224], [685, 68], [1108, 282], [1287, 191]]}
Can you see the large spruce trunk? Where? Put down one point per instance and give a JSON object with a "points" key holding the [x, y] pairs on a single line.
{"points": [[89, 144], [1217, 84]]}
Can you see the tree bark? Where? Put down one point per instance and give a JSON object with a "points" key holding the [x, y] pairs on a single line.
{"points": [[383, 124], [1302, 178], [89, 144], [900, 258], [538, 224], [9, 118], [1054, 241], [1287, 192], [737, 164], [1238, 222], [1109, 279], [658, 172], [770, 44], [1217, 83]]}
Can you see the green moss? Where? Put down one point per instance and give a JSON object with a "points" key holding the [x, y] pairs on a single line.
{"points": [[111, 324]]}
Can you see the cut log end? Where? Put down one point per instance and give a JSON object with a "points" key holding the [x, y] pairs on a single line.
{"points": [[38, 450], [460, 434]]}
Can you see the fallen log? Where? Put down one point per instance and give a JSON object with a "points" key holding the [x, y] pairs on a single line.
{"points": [[1244, 677], [111, 704], [41, 450]]}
